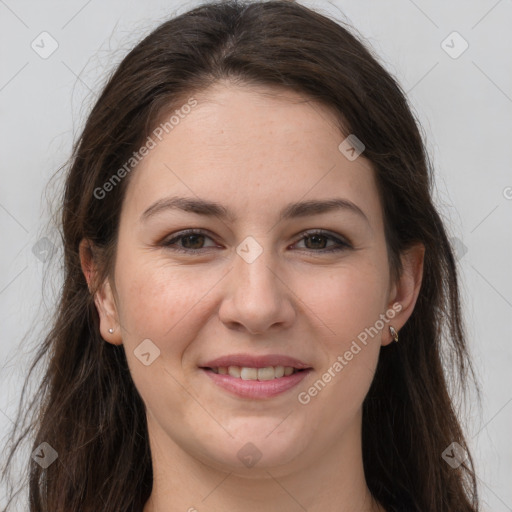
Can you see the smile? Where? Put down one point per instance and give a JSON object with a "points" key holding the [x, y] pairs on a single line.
{"points": [[246, 382], [246, 373]]}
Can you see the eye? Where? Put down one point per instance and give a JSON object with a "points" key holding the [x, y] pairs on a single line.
{"points": [[319, 237], [191, 241]]}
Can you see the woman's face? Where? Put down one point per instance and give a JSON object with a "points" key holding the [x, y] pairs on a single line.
{"points": [[251, 283]]}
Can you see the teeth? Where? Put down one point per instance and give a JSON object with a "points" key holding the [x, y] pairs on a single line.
{"points": [[279, 371], [234, 371], [267, 373], [245, 373], [249, 373]]}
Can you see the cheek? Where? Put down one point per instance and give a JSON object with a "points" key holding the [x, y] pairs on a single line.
{"points": [[345, 302], [165, 305], [161, 302], [347, 306], [348, 310]]}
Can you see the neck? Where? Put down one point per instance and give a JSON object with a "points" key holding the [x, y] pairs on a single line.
{"points": [[334, 482]]}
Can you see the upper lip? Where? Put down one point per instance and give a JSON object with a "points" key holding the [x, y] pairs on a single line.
{"points": [[252, 361]]}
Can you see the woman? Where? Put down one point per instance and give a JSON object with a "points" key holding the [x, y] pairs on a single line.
{"points": [[258, 287]]}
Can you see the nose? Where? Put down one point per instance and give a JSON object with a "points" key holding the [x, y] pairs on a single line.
{"points": [[257, 296]]}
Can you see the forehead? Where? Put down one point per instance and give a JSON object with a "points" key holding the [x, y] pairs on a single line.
{"points": [[250, 148]]}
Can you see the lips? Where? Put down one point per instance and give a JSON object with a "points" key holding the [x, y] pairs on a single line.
{"points": [[256, 377], [254, 388]]}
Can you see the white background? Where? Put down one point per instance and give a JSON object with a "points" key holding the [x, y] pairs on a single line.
{"points": [[464, 105]]}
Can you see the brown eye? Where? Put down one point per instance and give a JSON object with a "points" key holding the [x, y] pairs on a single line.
{"points": [[316, 241], [191, 241]]}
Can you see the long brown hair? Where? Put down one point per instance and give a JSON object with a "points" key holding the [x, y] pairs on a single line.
{"points": [[87, 407]]}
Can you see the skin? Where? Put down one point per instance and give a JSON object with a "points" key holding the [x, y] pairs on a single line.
{"points": [[254, 150]]}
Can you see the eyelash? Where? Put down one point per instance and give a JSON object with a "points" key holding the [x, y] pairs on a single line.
{"points": [[342, 245]]}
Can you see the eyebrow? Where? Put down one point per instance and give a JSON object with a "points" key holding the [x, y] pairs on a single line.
{"points": [[214, 209]]}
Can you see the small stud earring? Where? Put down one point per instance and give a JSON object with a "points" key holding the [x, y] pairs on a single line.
{"points": [[111, 330], [394, 333]]}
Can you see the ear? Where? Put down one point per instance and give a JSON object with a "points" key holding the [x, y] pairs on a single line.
{"points": [[406, 289], [103, 295]]}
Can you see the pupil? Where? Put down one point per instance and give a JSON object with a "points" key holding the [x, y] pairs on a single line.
{"points": [[316, 237], [193, 236]]}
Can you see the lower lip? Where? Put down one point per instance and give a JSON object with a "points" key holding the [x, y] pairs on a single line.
{"points": [[256, 388]]}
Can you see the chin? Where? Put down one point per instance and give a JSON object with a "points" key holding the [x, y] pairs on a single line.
{"points": [[254, 449]]}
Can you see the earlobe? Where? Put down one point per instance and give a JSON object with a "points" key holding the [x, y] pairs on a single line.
{"points": [[105, 304], [406, 290], [103, 296]]}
